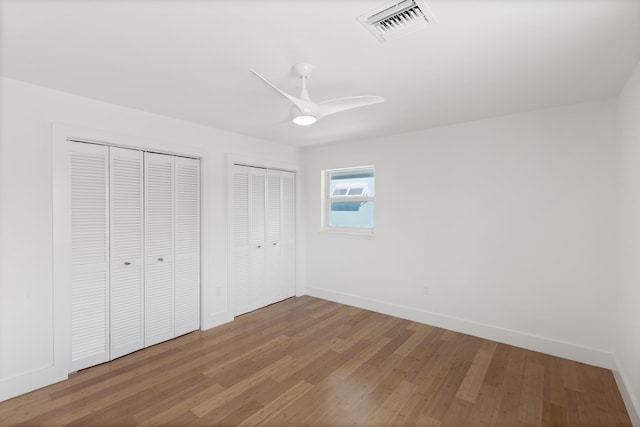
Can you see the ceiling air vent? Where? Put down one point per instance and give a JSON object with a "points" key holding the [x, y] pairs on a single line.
{"points": [[397, 19]]}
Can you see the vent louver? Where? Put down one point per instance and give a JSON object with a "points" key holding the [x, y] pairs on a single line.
{"points": [[397, 19]]}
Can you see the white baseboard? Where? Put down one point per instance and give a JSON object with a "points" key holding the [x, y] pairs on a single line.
{"points": [[29, 381], [630, 399], [217, 319], [563, 349]]}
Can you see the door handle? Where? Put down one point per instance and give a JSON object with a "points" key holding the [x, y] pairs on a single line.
{"points": [[160, 259], [259, 246], [275, 244], [127, 263]]}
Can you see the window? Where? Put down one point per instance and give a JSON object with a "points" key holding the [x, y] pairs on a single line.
{"points": [[348, 200]]}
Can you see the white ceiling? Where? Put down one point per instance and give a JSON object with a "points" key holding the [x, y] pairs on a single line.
{"points": [[190, 59]]}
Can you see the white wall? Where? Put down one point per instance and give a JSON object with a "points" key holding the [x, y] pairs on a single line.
{"points": [[627, 338], [27, 114], [509, 222]]}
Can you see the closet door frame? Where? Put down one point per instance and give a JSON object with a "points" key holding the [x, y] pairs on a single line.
{"points": [[61, 134], [241, 160]]}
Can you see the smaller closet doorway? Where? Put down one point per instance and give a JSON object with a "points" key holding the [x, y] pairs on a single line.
{"points": [[262, 237]]}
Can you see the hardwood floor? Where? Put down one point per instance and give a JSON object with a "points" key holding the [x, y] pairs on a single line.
{"points": [[307, 361]]}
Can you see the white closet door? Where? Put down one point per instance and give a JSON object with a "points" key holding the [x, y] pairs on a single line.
{"points": [[159, 222], [262, 268], [89, 181], [247, 272], [257, 278], [187, 245], [240, 264], [127, 286], [273, 245], [280, 269]]}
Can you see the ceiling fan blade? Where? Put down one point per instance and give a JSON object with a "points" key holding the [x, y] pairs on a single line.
{"points": [[341, 104], [302, 104]]}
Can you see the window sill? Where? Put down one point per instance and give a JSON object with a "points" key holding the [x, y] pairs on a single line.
{"points": [[366, 233]]}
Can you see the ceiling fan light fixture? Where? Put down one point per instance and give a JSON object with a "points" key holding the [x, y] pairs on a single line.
{"points": [[305, 120], [305, 112]]}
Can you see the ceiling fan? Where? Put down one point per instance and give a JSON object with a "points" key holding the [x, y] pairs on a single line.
{"points": [[306, 112]]}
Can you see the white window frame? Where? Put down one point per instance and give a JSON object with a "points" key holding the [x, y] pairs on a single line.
{"points": [[327, 198]]}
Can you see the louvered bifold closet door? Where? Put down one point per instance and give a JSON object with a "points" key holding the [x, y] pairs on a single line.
{"points": [[273, 236], [187, 245], [159, 221], [257, 279], [89, 192], [126, 219], [240, 242], [263, 237]]}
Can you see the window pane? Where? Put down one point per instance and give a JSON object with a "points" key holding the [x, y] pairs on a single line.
{"points": [[351, 214], [361, 182], [350, 174], [339, 191], [356, 191]]}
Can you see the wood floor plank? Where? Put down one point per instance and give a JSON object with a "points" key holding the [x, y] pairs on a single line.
{"points": [[179, 402], [172, 412], [531, 399], [472, 382], [413, 403], [368, 380], [280, 403], [553, 391], [427, 388], [458, 413], [511, 386], [498, 367], [439, 404], [307, 361], [237, 388], [359, 332], [571, 376], [485, 408], [413, 340], [553, 415], [391, 406]]}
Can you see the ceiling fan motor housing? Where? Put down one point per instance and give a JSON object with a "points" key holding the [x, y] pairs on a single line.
{"points": [[303, 69]]}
